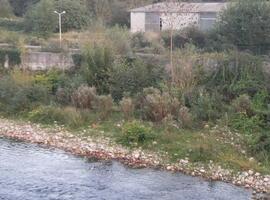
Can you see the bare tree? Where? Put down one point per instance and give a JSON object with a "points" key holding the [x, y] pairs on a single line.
{"points": [[175, 15]]}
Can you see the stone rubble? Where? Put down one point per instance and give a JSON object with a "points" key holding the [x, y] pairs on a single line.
{"points": [[103, 148]]}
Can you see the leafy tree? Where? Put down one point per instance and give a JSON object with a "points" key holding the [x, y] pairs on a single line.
{"points": [[77, 16], [246, 24], [41, 19], [132, 76], [5, 9], [20, 6], [97, 62]]}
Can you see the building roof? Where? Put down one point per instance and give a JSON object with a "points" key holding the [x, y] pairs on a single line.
{"points": [[176, 7]]}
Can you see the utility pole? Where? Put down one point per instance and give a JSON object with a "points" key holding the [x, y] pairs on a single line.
{"points": [[60, 25]]}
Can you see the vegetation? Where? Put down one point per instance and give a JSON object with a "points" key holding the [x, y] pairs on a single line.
{"points": [[215, 106]]}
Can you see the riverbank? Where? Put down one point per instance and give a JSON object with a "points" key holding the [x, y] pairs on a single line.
{"points": [[104, 148]]}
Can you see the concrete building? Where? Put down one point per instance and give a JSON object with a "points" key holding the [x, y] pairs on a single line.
{"points": [[174, 15]]}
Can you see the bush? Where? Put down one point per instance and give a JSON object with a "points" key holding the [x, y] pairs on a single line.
{"points": [[243, 104], [97, 62], [120, 40], [49, 115], [104, 105], [19, 97], [127, 107], [77, 16], [261, 146], [195, 36], [13, 55], [139, 41], [9, 37], [157, 105], [12, 24], [179, 39], [236, 73], [132, 76], [245, 124], [205, 106], [84, 97], [245, 23], [40, 19], [5, 9], [135, 133]]}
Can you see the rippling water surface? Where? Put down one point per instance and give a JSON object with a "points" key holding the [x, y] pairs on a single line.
{"points": [[28, 172]]}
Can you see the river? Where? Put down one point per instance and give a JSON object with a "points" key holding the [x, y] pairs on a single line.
{"points": [[29, 172]]}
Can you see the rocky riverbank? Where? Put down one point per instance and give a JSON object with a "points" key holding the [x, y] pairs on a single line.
{"points": [[103, 148]]}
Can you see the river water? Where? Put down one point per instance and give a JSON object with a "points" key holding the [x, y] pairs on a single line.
{"points": [[29, 172]]}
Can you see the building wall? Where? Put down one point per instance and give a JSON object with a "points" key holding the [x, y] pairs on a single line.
{"points": [[179, 20], [207, 21], [137, 22], [150, 22]]}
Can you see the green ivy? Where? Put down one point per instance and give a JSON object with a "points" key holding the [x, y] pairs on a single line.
{"points": [[14, 56]]}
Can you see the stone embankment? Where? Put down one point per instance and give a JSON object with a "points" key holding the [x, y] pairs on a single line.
{"points": [[103, 148]]}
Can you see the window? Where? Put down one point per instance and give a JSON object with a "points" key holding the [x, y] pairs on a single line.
{"points": [[152, 22], [207, 21]]}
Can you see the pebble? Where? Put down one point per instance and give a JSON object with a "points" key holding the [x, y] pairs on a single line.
{"points": [[104, 149]]}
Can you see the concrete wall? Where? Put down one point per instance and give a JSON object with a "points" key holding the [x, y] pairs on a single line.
{"points": [[46, 60], [137, 22]]}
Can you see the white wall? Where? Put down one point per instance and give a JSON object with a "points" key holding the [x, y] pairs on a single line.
{"points": [[137, 21], [179, 21]]}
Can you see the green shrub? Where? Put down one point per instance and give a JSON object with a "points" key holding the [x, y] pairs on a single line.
{"points": [[179, 39], [245, 23], [12, 24], [205, 106], [195, 36], [49, 115], [9, 37], [139, 41], [97, 63], [5, 9], [245, 124], [120, 39], [261, 100], [50, 79], [261, 146], [77, 15], [132, 76], [14, 57], [40, 19], [236, 73], [135, 133], [19, 97], [77, 59], [243, 104]]}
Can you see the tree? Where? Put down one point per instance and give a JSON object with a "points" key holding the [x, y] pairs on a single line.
{"points": [[41, 19], [245, 24], [5, 9], [21, 6], [172, 21], [77, 16], [97, 62]]}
